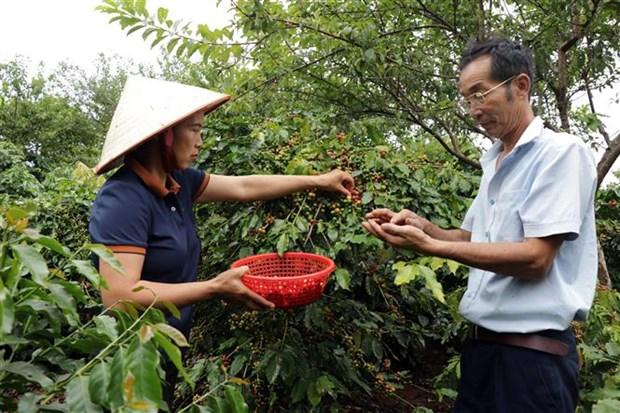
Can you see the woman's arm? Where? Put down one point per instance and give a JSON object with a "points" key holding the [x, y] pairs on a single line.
{"points": [[226, 285], [263, 187]]}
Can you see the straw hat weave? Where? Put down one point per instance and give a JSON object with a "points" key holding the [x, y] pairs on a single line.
{"points": [[146, 108]]}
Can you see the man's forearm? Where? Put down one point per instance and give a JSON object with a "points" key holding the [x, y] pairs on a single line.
{"points": [[517, 259], [453, 235]]}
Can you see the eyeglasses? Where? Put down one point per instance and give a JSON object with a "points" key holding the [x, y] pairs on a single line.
{"points": [[477, 98]]}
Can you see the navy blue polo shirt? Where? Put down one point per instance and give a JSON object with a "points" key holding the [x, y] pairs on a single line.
{"points": [[133, 213]]}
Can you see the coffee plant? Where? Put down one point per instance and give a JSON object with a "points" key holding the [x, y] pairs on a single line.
{"points": [[60, 351]]}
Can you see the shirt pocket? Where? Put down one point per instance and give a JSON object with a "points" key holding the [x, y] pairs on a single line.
{"points": [[508, 226]]}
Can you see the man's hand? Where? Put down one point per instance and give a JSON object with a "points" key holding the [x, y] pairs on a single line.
{"points": [[407, 217], [336, 181], [380, 215], [404, 229], [231, 289]]}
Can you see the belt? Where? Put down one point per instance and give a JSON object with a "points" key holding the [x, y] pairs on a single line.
{"points": [[530, 341]]}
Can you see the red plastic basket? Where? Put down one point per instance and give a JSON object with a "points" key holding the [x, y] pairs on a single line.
{"points": [[293, 280]]}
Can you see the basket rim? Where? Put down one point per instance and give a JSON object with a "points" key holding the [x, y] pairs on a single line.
{"points": [[331, 266]]}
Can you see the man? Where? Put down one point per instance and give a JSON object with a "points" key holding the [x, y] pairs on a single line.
{"points": [[529, 238]]}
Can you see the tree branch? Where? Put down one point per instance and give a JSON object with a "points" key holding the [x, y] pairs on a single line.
{"points": [[609, 157]]}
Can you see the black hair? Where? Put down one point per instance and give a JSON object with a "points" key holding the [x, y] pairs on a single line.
{"points": [[508, 58]]}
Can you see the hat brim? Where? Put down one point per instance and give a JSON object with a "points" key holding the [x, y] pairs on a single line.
{"points": [[118, 159]]}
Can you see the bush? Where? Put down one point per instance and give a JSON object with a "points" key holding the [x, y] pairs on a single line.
{"points": [[381, 307]]}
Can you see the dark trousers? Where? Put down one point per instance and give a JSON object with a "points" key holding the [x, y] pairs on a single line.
{"points": [[171, 380], [172, 377], [500, 378]]}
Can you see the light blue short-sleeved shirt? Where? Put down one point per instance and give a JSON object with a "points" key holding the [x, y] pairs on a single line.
{"points": [[545, 186]]}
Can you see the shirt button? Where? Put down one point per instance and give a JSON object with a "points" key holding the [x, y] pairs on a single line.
{"points": [[173, 209], [492, 202], [486, 234]]}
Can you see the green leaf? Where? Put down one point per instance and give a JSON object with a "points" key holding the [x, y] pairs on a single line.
{"points": [[282, 244], [107, 325], [16, 213], [148, 32], [7, 312], [172, 44], [158, 39], [28, 403], [162, 14], [613, 349], [142, 362], [65, 301], [140, 6], [52, 244], [217, 405], [98, 383], [87, 270], [430, 280], [174, 354], [30, 372], [366, 198], [174, 310], [117, 375], [78, 396], [606, 406], [325, 385], [343, 278], [299, 390], [436, 263], [453, 266], [145, 333], [405, 273], [272, 369], [235, 398], [172, 333], [33, 261], [237, 364], [314, 396], [135, 29], [107, 255]]}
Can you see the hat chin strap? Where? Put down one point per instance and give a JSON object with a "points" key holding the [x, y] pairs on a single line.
{"points": [[168, 159]]}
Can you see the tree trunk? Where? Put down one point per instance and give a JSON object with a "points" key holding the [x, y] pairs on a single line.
{"points": [[603, 273]]}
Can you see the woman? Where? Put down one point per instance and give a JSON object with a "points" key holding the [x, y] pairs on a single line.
{"points": [[143, 212]]}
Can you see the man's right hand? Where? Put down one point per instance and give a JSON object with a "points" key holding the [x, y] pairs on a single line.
{"points": [[404, 217], [231, 289], [407, 217]]}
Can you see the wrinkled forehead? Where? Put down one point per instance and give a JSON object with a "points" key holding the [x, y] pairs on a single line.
{"points": [[474, 75]]}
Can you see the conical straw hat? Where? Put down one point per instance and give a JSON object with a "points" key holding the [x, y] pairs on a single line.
{"points": [[146, 108]]}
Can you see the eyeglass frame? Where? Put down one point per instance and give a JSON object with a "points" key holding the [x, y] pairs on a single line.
{"points": [[464, 103]]}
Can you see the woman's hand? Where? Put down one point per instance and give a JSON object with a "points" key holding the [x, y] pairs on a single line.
{"points": [[336, 181], [231, 289]]}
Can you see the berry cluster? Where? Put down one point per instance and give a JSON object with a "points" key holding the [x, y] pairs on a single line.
{"points": [[355, 197]]}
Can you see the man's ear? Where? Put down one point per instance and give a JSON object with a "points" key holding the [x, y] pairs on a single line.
{"points": [[524, 84]]}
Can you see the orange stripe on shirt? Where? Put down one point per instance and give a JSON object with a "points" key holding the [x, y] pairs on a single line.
{"points": [[127, 249], [203, 186]]}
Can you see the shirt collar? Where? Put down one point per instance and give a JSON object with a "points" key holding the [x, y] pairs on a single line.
{"points": [[172, 187], [533, 131]]}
